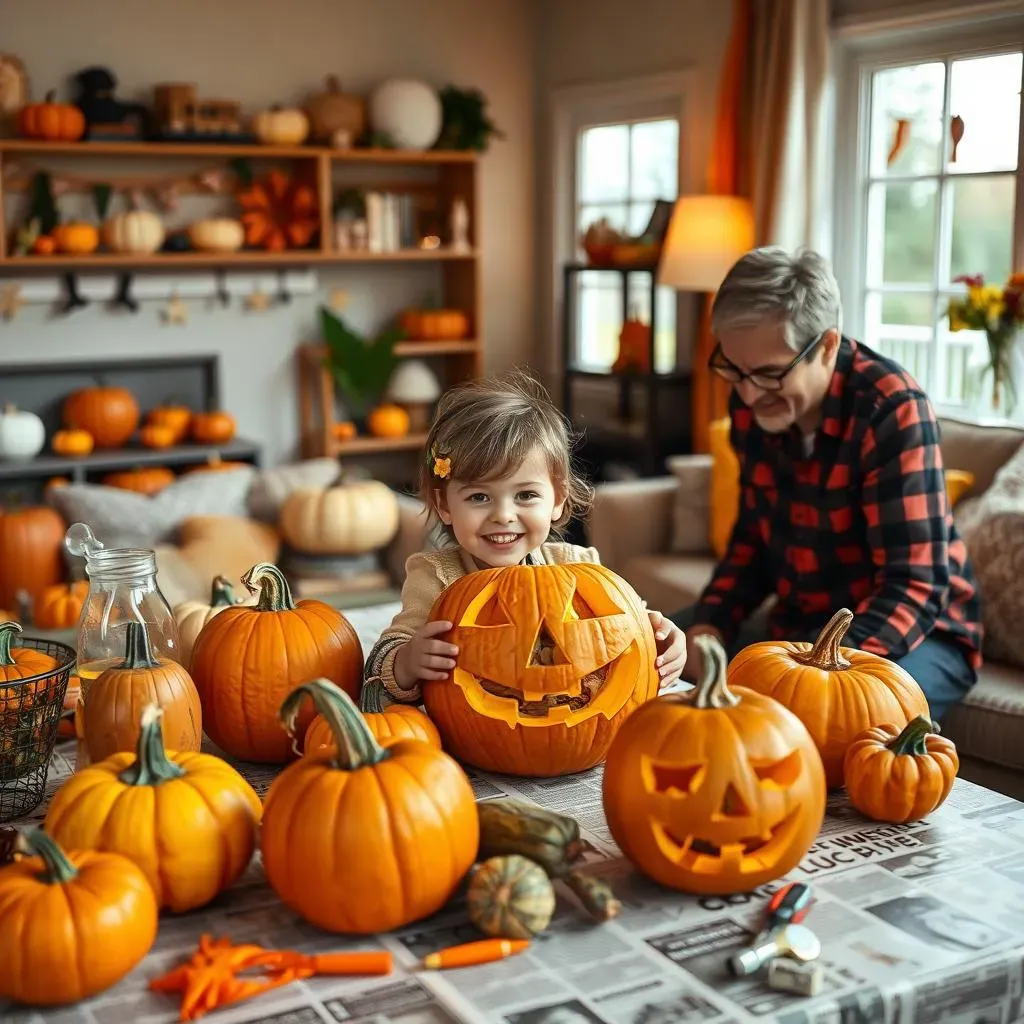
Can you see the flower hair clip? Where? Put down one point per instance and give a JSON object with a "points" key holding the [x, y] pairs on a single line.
{"points": [[442, 465]]}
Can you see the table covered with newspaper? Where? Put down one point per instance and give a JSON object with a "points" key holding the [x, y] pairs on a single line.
{"points": [[918, 923]]}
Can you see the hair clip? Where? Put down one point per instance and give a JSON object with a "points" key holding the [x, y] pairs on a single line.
{"points": [[442, 467]]}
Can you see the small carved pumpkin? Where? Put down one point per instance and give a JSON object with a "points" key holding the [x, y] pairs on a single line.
{"points": [[212, 427], [716, 790], [76, 238], [552, 659], [110, 414], [73, 443], [52, 121], [900, 776], [137, 231], [837, 692]]}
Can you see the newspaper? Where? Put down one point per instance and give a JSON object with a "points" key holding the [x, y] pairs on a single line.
{"points": [[919, 923]]}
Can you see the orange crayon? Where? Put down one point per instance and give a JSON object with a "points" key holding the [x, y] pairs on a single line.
{"points": [[370, 962], [470, 953]]}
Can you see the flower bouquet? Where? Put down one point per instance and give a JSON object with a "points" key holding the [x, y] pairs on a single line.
{"points": [[998, 310]]}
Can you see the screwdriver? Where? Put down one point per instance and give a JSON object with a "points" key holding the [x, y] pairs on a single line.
{"points": [[789, 906]]}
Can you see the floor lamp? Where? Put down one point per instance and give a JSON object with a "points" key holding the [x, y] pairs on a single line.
{"points": [[705, 237]]}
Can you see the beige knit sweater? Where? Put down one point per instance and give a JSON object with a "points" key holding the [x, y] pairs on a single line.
{"points": [[427, 574]]}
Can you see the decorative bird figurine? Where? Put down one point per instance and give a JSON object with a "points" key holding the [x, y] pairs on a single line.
{"points": [[956, 133]]}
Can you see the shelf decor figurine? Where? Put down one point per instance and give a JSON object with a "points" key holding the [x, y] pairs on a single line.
{"points": [[460, 226]]}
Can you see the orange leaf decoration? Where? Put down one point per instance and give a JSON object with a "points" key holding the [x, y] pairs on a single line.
{"points": [[279, 213]]}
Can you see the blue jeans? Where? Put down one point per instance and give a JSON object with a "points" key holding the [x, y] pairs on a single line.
{"points": [[940, 668]]}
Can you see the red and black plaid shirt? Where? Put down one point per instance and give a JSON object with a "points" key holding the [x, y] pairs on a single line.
{"points": [[863, 522]]}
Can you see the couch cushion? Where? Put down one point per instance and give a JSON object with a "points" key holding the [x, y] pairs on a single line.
{"points": [[990, 721], [692, 505], [668, 584], [985, 449]]}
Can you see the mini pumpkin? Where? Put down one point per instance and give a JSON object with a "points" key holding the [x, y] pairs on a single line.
{"points": [[435, 324], [153, 436], [93, 910], [344, 431], [837, 692], [191, 616], [388, 420], [217, 234], [187, 819], [349, 518], [76, 238], [248, 658], [110, 414], [19, 666], [60, 606], [31, 550], [147, 480], [281, 126], [714, 791], [510, 898], [552, 659], [18, 663], [44, 245], [212, 427], [900, 776], [178, 418], [52, 121], [72, 443], [137, 231], [418, 831]]}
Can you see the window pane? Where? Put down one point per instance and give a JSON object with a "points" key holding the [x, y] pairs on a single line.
{"points": [[985, 94], [901, 232], [655, 160], [908, 310], [599, 305], [617, 215], [604, 163], [982, 226], [639, 216], [906, 119]]}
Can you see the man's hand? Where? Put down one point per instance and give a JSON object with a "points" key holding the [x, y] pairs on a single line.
{"points": [[423, 657], [694, 658]]}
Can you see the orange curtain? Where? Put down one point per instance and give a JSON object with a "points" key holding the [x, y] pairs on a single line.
{"points": [[725, 177]]}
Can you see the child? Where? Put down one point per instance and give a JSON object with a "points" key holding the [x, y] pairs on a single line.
{"points": [[497, 479]]}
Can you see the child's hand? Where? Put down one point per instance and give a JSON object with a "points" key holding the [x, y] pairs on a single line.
{"points": [[423, 657], [671, 648]]}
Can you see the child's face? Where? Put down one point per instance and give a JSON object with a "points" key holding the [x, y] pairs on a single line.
{"points": [[500, 521]]}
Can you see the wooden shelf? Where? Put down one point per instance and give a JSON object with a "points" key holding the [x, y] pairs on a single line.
{"points": [[436, 348], [375, 445]]}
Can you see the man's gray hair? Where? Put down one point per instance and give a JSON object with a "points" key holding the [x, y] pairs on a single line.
{"points": [[768, 284]]}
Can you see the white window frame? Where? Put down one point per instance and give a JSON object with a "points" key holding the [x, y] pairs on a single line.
{"points": [[583, 106], [862, 48]]}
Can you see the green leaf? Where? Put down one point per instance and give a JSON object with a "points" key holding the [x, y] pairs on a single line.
{"points": [[361, 368], [242, 169], [101, 193]]}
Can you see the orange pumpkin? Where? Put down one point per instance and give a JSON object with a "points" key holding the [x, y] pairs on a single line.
{"points": [[6, 616], [387, 722], [344, 431], [176, 418], [191, 616], [388, 420], [93, 910], [552, 659], [900, 776], [17, 663], [634, 348], [434, 324], [44, 245], [55, 122], [213, 427], [110, 414], [72, 443], [279, 213], [114, 701], [154, 436], [76, 238], [31, 551], [716, 790], [418, 834], [837, 692], [60, 606], [248, 659], [148, 480], [24, 702]]}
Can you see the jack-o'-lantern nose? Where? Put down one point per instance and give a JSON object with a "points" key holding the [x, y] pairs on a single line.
{"points": [[733, 804]]}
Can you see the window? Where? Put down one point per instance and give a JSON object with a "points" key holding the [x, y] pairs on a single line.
{"points": [[621, 170], [935, 196]]}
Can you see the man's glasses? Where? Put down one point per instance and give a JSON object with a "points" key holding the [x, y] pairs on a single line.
{"points": [[766, 380]]}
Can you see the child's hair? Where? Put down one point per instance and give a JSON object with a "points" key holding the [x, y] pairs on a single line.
{"points": [[485, 428]]}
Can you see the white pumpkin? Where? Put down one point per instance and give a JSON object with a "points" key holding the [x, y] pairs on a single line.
{"points": [[22, 434], [137, 231], [217, 234], [191, 616], [281, 127], [348, 519]]}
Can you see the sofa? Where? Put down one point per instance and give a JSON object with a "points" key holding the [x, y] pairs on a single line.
{"points": [[655, 533]]}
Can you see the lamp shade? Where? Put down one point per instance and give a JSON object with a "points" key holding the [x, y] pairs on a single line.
{"points": [[706, 236]]}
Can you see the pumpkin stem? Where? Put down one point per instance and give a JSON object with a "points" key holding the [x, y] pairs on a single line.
{"points": [[914, 738], [152, 765], [374, 698], [713, 690], [275, 594], [356, 746], [57, 868], [826, 653], [221, 592], [138, 653], [7, 631]]}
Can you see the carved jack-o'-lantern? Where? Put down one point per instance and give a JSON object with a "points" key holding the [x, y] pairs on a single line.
{"points": [[552, 659], [714, 791]]}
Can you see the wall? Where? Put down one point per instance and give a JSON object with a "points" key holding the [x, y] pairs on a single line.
{"points": [[263, 52]]}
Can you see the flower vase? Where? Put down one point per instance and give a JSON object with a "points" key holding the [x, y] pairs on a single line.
{"points": [[998, 384]]}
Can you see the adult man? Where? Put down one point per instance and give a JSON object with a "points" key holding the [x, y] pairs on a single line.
{"points": [[843, 496]]}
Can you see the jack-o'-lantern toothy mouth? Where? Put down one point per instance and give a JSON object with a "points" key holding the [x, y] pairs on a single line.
{"points": [[750, 853]]}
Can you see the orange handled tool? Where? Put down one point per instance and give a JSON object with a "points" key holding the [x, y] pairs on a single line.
{"points": [[471, 953]]}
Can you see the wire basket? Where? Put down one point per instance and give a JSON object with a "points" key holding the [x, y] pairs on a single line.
{"points": [[30, 711]]}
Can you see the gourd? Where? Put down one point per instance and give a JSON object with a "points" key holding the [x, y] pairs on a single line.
{"points": [[348, 518], [388, 420], [110, 414], [510, 897], [434, 324], [114, 701], [899, 776], [76, 238], [31, 550], [837, 692], [714, 791], [148, 480], [417, 831], [217, 234], [187, 819], [248, 659], [332, 111], [281, 126], [191, 616], [212, 427], [59, 606], [22, 434], [72, 443], [73, 923], [153, 436], [137, 231], [552, 659], [52, 121]]}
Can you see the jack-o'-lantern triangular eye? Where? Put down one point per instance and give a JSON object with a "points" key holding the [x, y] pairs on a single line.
{"points": [[780, 774], [677, 778], [490, 613]]}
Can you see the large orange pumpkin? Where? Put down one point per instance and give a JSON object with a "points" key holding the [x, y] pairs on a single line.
{"points": [[552, 659], [110, 414], [716, 790], [250, 657], [398, 824], [837, 692], [31, 551]]}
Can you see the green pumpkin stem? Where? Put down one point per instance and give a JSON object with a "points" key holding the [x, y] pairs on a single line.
{"points": [[275, 594], [374, 698], [356, 746], [152, 766], [914, 738], [713, 689], [138, 653], [7, 631], [826, 652], [57, 868], [221, 594]]}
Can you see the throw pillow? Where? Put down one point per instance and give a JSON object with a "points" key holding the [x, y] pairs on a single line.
{"points": [[958, 483], [690, 507]]}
